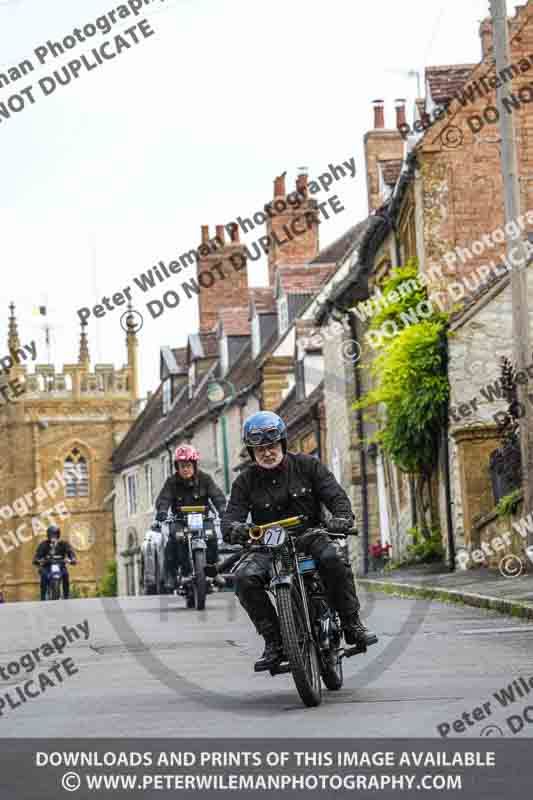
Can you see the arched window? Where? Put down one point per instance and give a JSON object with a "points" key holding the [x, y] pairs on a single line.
{"points": [[76, 475]]}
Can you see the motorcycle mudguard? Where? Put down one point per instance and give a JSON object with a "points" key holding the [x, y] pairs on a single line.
{"points": [[198, 545], [278, 580]]}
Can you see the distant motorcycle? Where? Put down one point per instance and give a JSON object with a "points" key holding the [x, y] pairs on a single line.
{"points": [[58, 567], [191, 526], [310, 629]]}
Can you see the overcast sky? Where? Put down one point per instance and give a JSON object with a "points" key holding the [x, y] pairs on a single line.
{"points": [[119, 169]]}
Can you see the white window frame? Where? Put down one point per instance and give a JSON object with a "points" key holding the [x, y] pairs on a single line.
{"points": [[224, 355], [149, 477], [132, 498], [283, 313], [192, 379], [256, 336], [167, 395], [165, 468]]}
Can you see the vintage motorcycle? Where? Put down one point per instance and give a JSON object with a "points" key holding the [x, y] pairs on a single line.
{"points": [[190, 527], [55, 579], [310, 629]]}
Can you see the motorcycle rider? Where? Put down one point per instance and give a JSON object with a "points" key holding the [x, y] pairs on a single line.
{"points": [[277, 485], [52, 546], [189, 486]]}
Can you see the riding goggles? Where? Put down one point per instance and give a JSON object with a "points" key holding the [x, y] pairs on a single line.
{"points": [[261, 436]]}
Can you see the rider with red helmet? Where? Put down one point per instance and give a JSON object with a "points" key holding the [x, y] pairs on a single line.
{"points": [[190, 486]]}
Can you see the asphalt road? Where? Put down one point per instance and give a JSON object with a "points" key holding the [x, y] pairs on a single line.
{"points": [[151, 668]]}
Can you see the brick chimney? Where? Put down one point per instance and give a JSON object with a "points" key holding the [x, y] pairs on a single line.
{"points": [[290, 245], [381, 144], [222, 276], [400, 112]]}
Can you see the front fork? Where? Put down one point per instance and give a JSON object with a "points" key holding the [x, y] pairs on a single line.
{"points": [[280, 578]]}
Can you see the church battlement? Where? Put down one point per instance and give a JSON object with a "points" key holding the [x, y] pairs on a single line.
{"points": [[76, 381]]}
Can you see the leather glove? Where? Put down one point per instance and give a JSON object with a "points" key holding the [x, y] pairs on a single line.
{"points": [[161, 516], [339, 525], [239, 533]]}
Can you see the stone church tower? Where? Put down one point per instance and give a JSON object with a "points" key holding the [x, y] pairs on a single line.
{"points": [[56, 440]]}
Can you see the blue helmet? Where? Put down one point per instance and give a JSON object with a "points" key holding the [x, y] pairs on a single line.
{"points": [[264, 427]]}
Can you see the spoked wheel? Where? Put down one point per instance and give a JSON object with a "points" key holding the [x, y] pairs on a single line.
{"points": [[199, 582], [299, 647], [54, 590]]}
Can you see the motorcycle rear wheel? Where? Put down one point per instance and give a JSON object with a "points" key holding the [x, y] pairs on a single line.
{"points": [[299, 647], [199, 582]]}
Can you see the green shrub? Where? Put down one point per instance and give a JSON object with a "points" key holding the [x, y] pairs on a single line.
{"points": [[509, 504], [425, 549], [108, 585]]}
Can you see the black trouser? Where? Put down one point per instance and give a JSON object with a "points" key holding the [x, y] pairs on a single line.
{"points": [[256, 570], [178, 553]]}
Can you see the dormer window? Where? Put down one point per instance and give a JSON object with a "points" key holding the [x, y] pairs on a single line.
{"points": [[167, 395], [283, 313], [256, 336]]}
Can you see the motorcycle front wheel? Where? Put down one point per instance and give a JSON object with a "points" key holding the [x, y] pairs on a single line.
{"points": [[199, 581], [54, 590], [299, 646]]}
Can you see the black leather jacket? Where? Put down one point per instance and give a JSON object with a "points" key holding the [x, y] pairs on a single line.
{"points": [[62, 549], [298, 486], [196, 492]]}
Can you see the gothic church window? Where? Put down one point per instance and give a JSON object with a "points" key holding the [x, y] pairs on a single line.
{"points": [[76, 474]]}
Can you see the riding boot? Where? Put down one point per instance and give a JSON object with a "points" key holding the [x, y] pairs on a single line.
{"points": [[355, 632], [273, 652]]}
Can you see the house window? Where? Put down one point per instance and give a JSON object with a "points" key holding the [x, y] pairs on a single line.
{"points": [[76, 474], [165, 467], [149, 486], [256, 336], [167, 394], [131, 493], [224, 355], [283, 313]]}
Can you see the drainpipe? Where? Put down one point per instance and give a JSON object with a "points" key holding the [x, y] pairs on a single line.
{"points": [[362, 455]]}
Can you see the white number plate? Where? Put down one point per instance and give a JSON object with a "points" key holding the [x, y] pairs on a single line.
{"points": [[195, 522], [56, 569], [274, 537]]}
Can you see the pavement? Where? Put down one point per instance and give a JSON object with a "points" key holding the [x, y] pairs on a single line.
{"points": [[481, 587]]}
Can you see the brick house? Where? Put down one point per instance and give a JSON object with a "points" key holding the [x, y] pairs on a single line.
{"points": [[432, 195]]}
